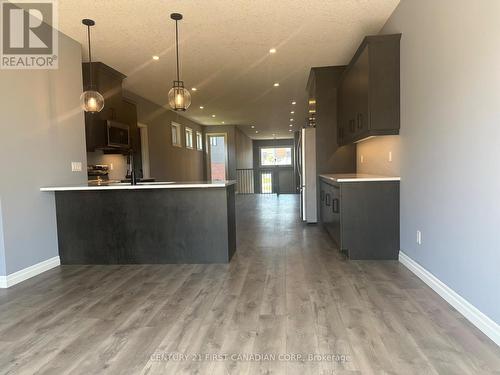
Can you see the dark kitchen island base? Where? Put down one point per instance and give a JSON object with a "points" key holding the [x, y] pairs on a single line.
{"points": [[146, 226]]}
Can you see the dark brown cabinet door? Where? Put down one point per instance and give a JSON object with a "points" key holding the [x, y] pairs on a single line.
{"points": [[369, 90]]}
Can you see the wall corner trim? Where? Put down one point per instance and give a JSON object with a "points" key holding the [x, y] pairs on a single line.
{"points": [[470, 312], [29, 272]]}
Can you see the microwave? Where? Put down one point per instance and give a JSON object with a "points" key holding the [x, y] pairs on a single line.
{"points": [[118, 134]]}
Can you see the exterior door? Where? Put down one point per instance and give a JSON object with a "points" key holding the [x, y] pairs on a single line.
{"points": [[216, 156]]}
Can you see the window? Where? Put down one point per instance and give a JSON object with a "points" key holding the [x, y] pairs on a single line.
{"points": [[176, 134], [276, 156], [199, 141], [189, 137]]}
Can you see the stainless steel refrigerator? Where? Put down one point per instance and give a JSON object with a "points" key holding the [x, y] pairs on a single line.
{"points": [[306, 167]]}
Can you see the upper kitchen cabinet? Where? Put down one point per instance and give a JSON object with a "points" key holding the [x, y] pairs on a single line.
{"points": [[322, 90], [108, 82], [369, 100]]}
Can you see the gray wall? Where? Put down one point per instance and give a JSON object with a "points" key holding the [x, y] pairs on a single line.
{"points": [[2, 247], [450, 136], [244, 150], [168, 162], [42, 131]]}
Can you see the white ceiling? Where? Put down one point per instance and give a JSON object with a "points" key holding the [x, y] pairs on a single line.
{"points": [[225, 51]]}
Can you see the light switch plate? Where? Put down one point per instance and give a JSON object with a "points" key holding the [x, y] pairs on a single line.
{"points": [[390, 155], [76, 166], [419, 237]]}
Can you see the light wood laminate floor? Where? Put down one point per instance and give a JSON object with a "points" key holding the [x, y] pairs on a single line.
{"points": [[287, 293]]}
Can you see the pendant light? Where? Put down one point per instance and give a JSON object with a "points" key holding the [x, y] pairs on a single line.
{"points": [[91, 100], [179, 98]]}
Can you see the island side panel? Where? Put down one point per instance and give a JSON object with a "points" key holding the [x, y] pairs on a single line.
{"points": [[231, 220], [143, 226]]}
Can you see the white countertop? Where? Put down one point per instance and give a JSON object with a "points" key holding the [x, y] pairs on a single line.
{"points": [[358, 177], [143, 185]]}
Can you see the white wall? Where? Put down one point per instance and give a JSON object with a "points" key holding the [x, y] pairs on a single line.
{"points": [[373, 156], [450, 136], [41, 132]]}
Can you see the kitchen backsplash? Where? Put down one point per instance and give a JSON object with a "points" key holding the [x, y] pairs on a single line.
{"points": [[117, 163], [379, 155]]}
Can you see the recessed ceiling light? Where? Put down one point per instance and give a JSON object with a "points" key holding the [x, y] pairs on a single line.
{"points": [[292, 112], [289, 130], [291, 125], [194, 89], [294, 102], [291, 119], [253, 126], [274, 135], [156, 57], [213, 115], [223, 122], [276, 84], [256, 131], [272, 50], [201, 107]]}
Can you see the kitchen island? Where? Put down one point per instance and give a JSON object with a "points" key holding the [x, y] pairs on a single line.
{"points": [[147, 223]]}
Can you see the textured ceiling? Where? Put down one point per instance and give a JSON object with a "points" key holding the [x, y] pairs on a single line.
{"points": [[225, 51]]}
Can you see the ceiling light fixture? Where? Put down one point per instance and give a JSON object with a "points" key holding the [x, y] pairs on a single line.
{"points": [[289, 130], [91, 100], [178, 97], [213, 115], [223, 122], [201, 107], [156, 57], [194, 89], [291, 125], [276, 84], [253, 126], [256, 131], [292, 112], [272, 50], [291, 119], [293, 103]]}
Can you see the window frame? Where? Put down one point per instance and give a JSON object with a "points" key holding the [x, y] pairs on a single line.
{"points": [[199, 141], [174, 126], [188, 134]]}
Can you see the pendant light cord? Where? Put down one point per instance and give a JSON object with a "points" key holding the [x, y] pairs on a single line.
{"points": [[90, 58], [177, 48]]}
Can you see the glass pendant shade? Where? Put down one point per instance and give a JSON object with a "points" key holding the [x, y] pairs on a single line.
{"points": [[92, 101], [179, 98]]}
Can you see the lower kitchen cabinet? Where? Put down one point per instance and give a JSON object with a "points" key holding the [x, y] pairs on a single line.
{"points": [[362, 217]]}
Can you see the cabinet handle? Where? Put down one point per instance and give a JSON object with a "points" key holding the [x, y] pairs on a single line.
{"points": [[352, 126], [327, 199], [322, 195], [335, 206]]}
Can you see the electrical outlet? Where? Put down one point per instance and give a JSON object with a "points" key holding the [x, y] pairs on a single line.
{"points": [[390, 156], [362, 158], [76, 166], [419, 237]]}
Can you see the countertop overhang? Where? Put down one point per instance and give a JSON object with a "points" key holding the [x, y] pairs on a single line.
{"points": [[143, 186], [357, 177]]}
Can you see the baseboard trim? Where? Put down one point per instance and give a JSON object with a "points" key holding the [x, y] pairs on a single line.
{"points": [[29, 272], [469, 311]]}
